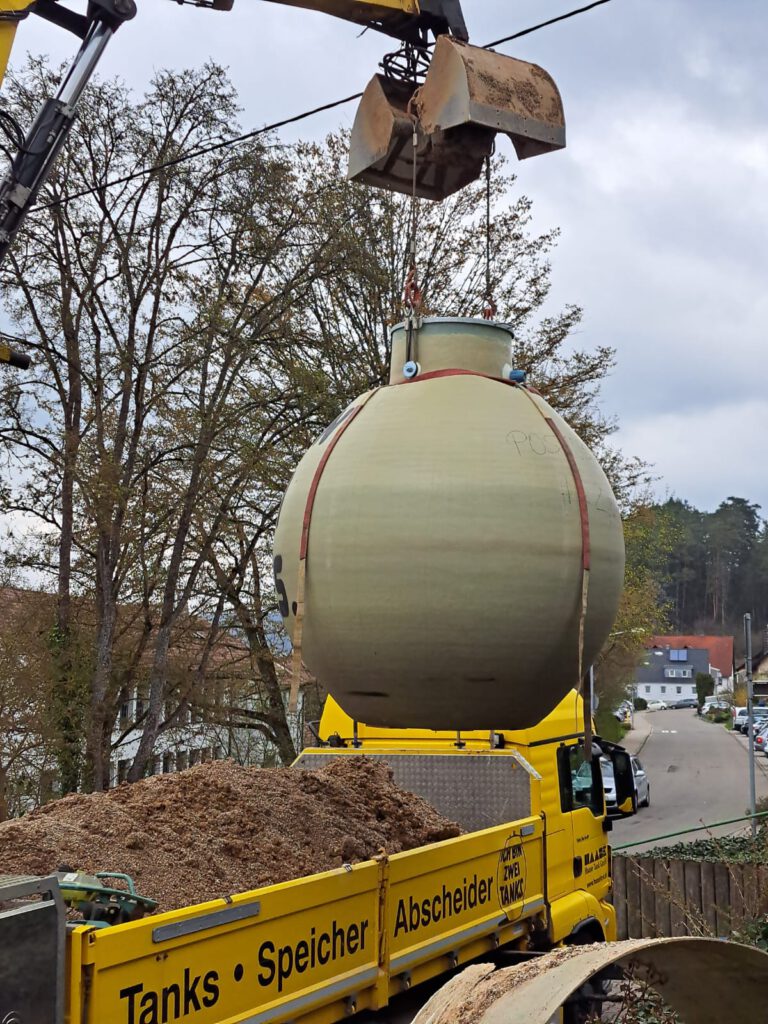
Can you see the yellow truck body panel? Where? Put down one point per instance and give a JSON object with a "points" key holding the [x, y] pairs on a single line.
{"points": [[316, 949], [312, 948]]}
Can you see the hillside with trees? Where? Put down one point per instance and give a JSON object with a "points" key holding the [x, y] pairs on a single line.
{"points": [[716, 566]]}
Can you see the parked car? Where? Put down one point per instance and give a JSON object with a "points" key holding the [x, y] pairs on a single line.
{"points": [[715, 705], [642, 785], [657, 705], [740, 718], [761, 738], [624, 713], [685, 702], [760, 718]]}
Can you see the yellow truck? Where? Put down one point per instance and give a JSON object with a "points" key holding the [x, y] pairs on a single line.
{"points": [[531, 871]]}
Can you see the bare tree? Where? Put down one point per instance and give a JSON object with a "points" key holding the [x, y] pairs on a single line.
{"points": [[147, 304]]}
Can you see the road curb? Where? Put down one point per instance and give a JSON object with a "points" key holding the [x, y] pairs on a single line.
{"points": [[644, 739], [643, 742], [761, 767]]}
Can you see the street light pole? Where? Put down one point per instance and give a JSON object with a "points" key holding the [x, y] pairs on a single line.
{"points": [[750, 717]]}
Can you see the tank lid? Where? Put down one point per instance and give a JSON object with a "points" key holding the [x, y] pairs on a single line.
{"points": [[451, 343], [474, 320]]}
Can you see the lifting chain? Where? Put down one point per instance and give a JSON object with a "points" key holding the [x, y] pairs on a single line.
{"points": [[412, 290], [490, 309]]}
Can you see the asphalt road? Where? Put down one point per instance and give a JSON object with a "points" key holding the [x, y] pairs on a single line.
{"points": [[698, 774]]}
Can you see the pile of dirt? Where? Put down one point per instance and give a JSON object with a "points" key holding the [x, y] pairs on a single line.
{"points": [[219, 829]]}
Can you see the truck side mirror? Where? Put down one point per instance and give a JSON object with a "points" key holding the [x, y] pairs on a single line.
{"points": [[625, 782]]}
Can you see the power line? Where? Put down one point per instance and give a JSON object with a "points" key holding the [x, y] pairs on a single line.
{"points": [[543, 24], [202, 151], [235, 140]]}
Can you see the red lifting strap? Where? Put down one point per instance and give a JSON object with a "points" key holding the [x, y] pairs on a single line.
{"points": [[583, 517], [301, 577], [586, 554], [309, 507]]}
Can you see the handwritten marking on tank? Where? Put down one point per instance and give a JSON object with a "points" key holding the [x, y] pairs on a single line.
{"points": [[532, 443], [565, 491], [605, 503], [511, 876]]}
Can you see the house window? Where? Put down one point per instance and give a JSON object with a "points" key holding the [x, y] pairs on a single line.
{"points": [[647, 689], [663, 689], [679, 689], [182, 761], [681, 655], [167, 762], [693, 690], [122, 770], [194, 757]]}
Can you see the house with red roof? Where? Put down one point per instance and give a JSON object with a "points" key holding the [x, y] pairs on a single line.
{"points": [[719, 648]]}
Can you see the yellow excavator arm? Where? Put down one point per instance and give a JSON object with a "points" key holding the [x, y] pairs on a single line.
{"points": [[427, 123], [407, 20], [11, 13]]}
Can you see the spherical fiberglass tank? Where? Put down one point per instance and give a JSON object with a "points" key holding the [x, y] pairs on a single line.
{"points": [[446, 520]]}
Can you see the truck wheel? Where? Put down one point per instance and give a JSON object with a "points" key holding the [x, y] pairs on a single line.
{"points": [[586, 1004]]}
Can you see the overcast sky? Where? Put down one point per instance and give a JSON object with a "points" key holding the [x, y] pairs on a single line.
{"points": [[661, 194]]}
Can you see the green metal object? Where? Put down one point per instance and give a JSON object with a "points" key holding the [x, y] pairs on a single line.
{"points": [[687, 831], [102, 905], [444, 558]]}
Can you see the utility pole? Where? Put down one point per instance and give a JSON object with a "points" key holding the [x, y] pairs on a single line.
{"points": [[750, 717]]}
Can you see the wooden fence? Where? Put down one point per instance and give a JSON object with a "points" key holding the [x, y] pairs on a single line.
{"points": [[656, 898]]}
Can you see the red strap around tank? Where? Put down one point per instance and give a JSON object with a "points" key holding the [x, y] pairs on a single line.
{"points": [[298, 628], [586, 546], [454, 372], [586, 558]]}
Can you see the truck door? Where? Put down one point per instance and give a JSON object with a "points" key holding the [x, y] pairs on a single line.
{"points": [[581, 785]]}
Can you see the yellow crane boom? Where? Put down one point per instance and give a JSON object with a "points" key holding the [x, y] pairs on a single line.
{"points": [[426, 124]]}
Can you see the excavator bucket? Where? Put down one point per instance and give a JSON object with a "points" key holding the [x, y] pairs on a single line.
{"points": [[382, 153], [469, 85], [469, 94]]}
